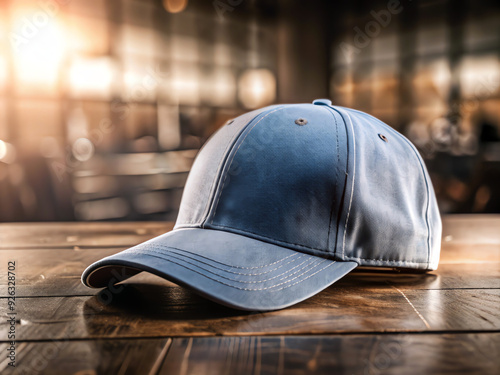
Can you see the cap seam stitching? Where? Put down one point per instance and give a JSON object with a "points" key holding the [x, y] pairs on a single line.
{"points": [[221, 187], [207, 209], [353, 182], [206, 212], [336, 185], [220, 169], [401, 136], [385, 260], [199, 223], [307, 247], [273, 239], [428, 200], [159, 249], [426, 186], [224, 264], [259, 289], [284, 274]]}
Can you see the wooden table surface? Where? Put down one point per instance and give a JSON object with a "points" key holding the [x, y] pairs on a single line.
{"points": [[447, 321]]}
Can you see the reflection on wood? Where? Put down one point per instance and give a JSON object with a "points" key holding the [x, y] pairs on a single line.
{"points": [[357, 354], [88, 357], [446, 321]]}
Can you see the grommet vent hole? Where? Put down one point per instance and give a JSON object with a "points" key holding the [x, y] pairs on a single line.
{"points": [[383, 137]]}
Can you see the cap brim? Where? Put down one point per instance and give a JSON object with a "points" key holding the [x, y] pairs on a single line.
{"points": [[234, 270]]}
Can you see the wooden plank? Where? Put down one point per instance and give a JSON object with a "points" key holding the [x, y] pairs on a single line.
{"points": [[357, 354], [455, 252], [448, 276], [56, 272], [147, 311], [140, 356], [353, 354], [446, 309], [462, 229], [70, 235], [355, 303]]}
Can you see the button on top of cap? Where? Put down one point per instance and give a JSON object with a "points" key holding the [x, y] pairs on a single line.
{"points": [[322, 102]]}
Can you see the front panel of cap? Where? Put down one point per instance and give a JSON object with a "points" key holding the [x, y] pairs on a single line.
{"points": [[284, 180], [389, 202], [206, 170]]}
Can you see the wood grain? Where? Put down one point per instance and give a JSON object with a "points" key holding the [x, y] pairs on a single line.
{"points": [[143, 311], [461, 229], [56, 272], [71, 235], [357, 354], [141, 356], [446, 321], [455, 252], [352, 354]]}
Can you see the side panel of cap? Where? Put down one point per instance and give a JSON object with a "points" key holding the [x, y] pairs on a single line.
{"points": [[436, 228], [390, 209], [287, 180], [204, 174]]}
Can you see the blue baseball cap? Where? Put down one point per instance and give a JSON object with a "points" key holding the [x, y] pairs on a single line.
{"points": [[283, 201]]}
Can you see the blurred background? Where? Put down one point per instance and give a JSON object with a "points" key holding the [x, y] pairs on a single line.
{"points": [[104, 104]]}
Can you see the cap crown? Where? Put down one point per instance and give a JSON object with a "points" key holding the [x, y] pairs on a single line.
{"points": [[323, 180]]}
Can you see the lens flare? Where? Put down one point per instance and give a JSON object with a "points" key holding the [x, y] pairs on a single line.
{"points": [[256, 88], [175, 6]]}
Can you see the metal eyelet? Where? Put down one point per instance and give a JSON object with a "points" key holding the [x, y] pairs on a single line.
{"points": [[383, 137], [301, 121]]}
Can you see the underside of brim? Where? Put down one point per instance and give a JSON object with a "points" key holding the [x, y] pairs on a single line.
{"points": [[234, 270]]}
